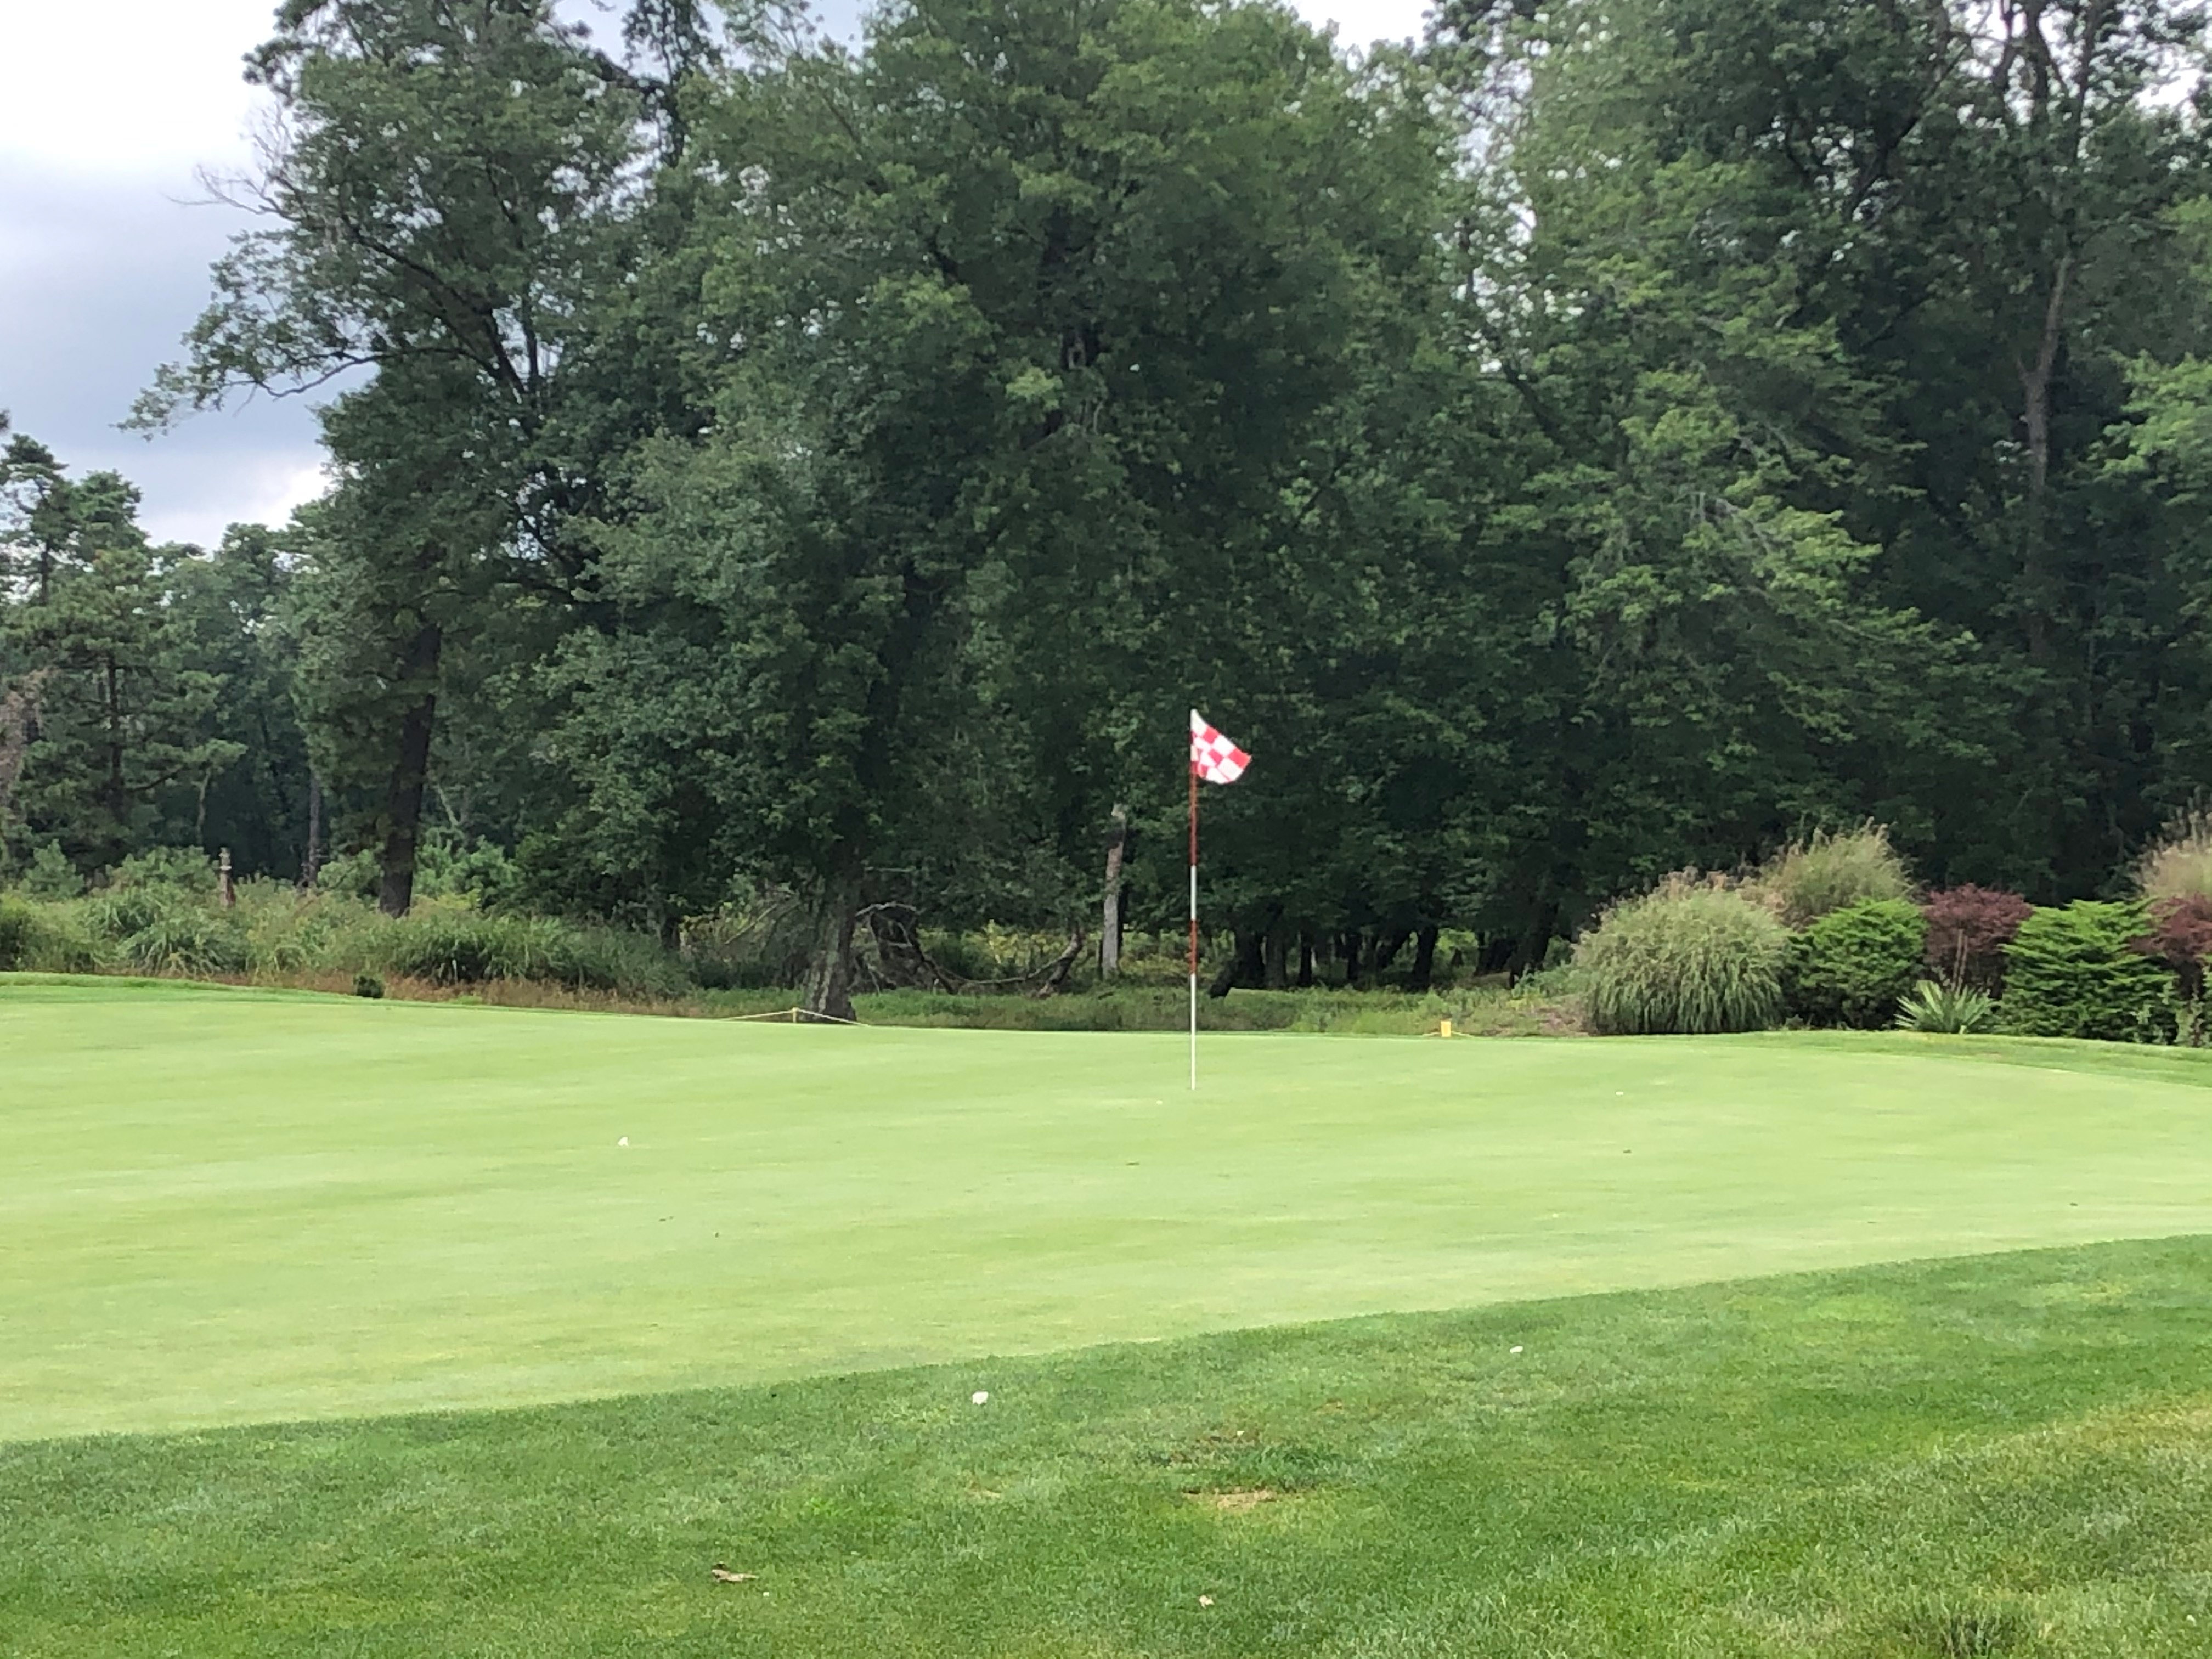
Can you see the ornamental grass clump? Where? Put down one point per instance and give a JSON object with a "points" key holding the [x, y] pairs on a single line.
{"points": [[2179, 863], [2175, 880], [1807, 879], [1690, 956]]}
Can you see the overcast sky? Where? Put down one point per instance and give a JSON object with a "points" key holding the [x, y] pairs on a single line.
{"points": [[106, 109]]}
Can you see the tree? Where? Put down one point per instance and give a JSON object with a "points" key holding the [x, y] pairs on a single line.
{"points": [[450, 184], [1033, 320], [230, 614], [116, 724]]}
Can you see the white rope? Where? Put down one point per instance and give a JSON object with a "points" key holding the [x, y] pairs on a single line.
{"points": [[794, 1015]]}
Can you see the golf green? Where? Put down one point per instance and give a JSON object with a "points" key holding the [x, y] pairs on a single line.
{"points": [[230, 1207]]}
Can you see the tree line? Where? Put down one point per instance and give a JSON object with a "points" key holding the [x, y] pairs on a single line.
{"points": [[1608, 436]]}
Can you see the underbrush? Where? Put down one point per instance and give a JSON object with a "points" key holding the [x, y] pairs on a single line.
{"points": [[1489, 1012], [327, 941], [334, 941]]}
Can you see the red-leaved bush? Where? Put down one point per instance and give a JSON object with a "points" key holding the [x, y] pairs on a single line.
{"points": [[2181, 937], [1968, 928]]}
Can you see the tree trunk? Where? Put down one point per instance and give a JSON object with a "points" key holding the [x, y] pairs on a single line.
{"points": [[1056, 978], [1244, 967], [2035, 415], [1386, 950], [1275, 959], [1305, 961], [829, 974], [1109, 920], [115, 795], [1424, 958], [1347, 948], [1535, 941], [313, 866], [19, 729], [410, 773]]}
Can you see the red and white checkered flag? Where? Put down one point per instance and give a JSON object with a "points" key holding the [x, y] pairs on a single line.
{"points": [[1213, 757]]}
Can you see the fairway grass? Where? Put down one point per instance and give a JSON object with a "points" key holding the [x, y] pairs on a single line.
{"points": [[230, 1206], [2003, 1456]]}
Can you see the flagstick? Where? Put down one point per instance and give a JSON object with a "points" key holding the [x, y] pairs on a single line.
{"points": [[1193, 926]]}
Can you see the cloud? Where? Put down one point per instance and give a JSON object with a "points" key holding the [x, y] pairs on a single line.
{"points": [[111, 106]]}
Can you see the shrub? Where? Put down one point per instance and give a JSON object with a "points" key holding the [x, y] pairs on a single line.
{"points": [[23, 931], [1968, 928], [2080, 971], [367, 985], [186, 869], [1850, 966], [188, 940], [1687, 957], [1933, 1006], [2180, 936], [123, 912], [1807, 879], [290, 933], [41, 937], [461, 947]]}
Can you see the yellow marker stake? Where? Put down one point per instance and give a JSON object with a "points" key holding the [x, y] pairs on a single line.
{"points": [[1444, 1029]]}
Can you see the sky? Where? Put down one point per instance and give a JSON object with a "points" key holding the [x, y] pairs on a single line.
{"points": [[106, 235]]}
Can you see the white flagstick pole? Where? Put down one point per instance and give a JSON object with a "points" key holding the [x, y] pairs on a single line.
{"points": [[1193, 926]]}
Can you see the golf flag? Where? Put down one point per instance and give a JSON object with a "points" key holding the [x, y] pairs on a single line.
{"points": [[1216, 760], [1213, 757]]}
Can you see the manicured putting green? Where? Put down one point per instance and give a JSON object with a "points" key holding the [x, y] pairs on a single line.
{"points": [[220, 1206]]}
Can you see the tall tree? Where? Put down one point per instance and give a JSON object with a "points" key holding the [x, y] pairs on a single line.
{"points": [[449, 182], [1032, 318]]}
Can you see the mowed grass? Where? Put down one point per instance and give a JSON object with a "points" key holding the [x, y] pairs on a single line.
{"points": [[2003, 1455], [224, 1206]]}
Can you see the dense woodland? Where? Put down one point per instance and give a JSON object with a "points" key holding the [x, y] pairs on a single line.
{"points": [[1614, 436]]}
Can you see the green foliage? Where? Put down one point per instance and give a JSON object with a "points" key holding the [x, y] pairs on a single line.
{"points": [[180, 869], [764, 941], [49, 875], [120, 912], [1936, 1005], [22, 933], [1809, 879], [809, 480], [43, 938], [1852, 965], [187, 941], [2080, 971], [1687, 957], [450, 946], [480, 873], [156, 927]]}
